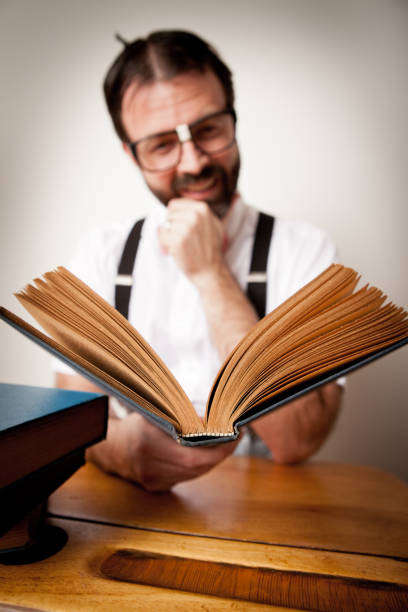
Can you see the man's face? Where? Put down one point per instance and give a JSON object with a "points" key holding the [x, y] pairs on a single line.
{"points": [[161, 106]]}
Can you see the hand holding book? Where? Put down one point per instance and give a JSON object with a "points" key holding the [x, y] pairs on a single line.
{"points": [[143, 453]]}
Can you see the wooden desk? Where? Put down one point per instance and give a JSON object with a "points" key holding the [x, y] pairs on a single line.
{"points": [[326, 537]]}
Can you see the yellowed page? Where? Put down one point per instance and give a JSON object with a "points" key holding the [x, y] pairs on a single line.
{"points": [[356, 326], [77, 317]]}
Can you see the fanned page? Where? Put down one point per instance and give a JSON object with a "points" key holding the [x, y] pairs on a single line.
{"points": [[98, 376], [321, 327], [327, 324], [82, 321]]}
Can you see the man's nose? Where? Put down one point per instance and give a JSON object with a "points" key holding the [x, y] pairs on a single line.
{"points": [[192, 159]]}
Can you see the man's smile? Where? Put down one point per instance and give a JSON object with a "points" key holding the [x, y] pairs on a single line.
{"points": [[201, 186]]}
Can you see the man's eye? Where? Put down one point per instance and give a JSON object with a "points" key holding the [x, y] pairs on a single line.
{"points": [[161, 147], [207, 131]]}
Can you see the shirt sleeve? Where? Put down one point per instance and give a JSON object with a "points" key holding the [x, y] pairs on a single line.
{"points": [[298, 253]]}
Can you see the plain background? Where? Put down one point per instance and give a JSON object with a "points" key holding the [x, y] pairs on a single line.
{"points": [[322, 98]]}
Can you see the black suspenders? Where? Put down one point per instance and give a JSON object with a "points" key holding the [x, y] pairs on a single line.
{"points": [[256, 288], [123, 284]]}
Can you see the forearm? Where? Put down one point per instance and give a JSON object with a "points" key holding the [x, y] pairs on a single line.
{"points": [[228, 311], [195, 238], [76, 383], [296, 431], [110, 454]]}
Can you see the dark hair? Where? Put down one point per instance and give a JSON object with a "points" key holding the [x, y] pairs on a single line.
{"points": [[162, 55]]}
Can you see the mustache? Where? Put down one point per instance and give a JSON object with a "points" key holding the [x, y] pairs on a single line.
{"points": [[185, 180]]}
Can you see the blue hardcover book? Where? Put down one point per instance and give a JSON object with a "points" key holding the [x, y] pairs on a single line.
{"points": [[43, 437], [38, 426]]}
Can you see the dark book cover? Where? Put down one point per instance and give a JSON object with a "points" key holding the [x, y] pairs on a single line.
{"points": [[43, 437]]}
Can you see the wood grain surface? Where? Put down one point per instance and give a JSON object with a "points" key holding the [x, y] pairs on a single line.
{"points": [[325, 507], [320, 537], [257, 584], [71, 581]]}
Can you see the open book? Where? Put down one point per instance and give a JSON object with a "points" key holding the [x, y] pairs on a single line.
{"points": [[324, 330]]}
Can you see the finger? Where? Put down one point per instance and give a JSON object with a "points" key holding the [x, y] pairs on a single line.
{"points": [[163, 239], [166, 226], [191, 207]]}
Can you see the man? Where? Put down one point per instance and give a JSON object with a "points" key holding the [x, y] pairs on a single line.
{"points": [[172, 104]]}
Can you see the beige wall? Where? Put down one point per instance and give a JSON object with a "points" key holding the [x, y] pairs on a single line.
{"points": [[322, 99]]}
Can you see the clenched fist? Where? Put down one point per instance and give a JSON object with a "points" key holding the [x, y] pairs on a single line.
{"points": [[195, 237]]}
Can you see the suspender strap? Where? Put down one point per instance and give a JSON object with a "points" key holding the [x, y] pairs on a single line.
{"points": [[123, 285], [256, 288]]}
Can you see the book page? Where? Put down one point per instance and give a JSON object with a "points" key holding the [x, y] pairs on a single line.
{"points": [[323, 326], [81, 320]]}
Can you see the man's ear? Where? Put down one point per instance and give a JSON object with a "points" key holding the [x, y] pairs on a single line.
{"points": [[128, 151]]}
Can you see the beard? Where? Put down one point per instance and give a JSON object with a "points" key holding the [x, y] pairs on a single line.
{"points": [[220, 203]]}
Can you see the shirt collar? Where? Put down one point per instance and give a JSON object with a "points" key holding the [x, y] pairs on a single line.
{"points": [[157, 212], [234, 217]]}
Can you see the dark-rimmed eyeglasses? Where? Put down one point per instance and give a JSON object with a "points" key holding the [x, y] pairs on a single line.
{"points": [[211, 134]]}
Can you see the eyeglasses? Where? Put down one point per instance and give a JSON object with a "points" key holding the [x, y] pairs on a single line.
{"points": [[211, 134]]}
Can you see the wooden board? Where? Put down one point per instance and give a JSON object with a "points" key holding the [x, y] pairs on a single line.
{"points": [[75, 580], [248, 535], [338, 508], [256, 584], [71, 581]]}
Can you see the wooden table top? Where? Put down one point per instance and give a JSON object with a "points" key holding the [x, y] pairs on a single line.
{"points": [[324, 537], [316, 506]]}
